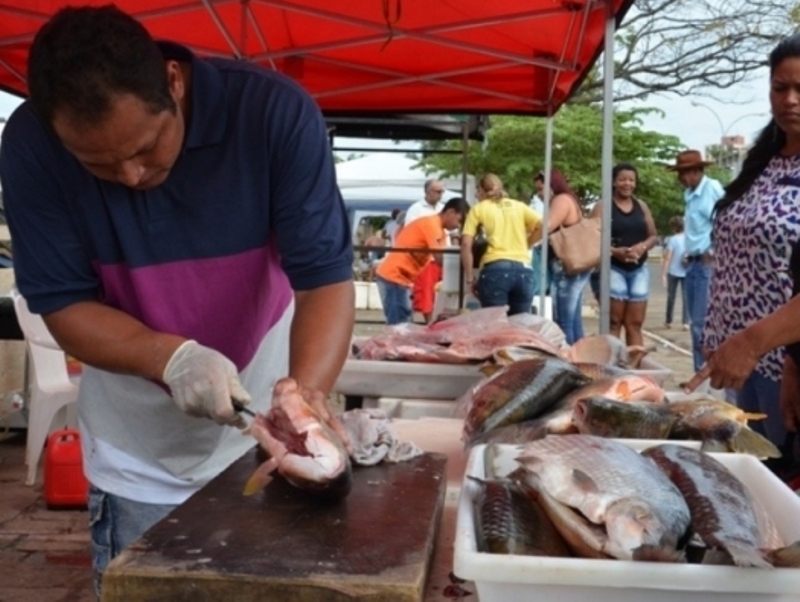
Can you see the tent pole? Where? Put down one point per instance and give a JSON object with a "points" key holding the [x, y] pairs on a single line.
{"points": [[548, 165], [607, 157], [464, 168]]}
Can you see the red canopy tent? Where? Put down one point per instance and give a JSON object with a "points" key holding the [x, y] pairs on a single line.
{"points": [[385, 56], [388, 56]]}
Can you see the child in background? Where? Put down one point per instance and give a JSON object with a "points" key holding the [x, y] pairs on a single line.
{"points": [[673, 271]]}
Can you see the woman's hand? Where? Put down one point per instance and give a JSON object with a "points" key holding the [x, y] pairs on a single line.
{"points": [[730, 365]]}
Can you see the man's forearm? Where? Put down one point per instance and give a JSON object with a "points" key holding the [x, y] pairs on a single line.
{"points": [[321, 332], [111, 340]]}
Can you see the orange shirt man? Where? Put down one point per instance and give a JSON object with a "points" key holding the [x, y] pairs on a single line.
{"points": [[396, 273]]}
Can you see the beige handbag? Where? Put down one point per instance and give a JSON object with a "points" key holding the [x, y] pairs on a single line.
{"points": [[578, 245]]}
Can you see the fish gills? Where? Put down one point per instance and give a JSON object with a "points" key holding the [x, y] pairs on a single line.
{"points": [[610, 418], [508, 522], [721, 508]]}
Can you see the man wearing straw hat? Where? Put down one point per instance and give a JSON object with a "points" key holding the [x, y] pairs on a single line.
{"points": [[701, 194]]}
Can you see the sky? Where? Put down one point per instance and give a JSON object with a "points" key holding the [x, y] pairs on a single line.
{"points": [[740, 111]]}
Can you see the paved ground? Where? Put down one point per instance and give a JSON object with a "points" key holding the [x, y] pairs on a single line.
{"points": [[44, 554]]}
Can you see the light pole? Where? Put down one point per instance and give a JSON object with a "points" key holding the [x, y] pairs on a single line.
{"points": [[724, 132]]}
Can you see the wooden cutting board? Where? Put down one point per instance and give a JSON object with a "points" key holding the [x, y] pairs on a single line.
{"points": [[283, 545]]}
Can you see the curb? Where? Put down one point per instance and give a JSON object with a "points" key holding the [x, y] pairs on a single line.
{"points": [[666, 343]]}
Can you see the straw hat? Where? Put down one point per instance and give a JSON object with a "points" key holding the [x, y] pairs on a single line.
{"points": [[689, 159]]}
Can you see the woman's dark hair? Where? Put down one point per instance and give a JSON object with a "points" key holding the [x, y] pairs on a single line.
{"points": [[558, 184], [620, 167], [84, 56], [769, 141]]}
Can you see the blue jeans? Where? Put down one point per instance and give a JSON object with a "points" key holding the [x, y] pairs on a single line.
{"points": [[115, 523], [396, 301], [760, 394], [698, 277], [506, 283], [673, 282], [569, 301], [629, 285]]}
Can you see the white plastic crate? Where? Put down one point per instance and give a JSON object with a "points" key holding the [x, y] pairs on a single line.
{"points": [[406, 379], [650, 367], [504, 578]]}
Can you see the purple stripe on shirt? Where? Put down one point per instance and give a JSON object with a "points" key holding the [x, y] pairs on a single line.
{"points": [[226, 303]]}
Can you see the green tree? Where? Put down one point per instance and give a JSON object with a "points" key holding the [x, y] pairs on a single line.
{"points": [[515, 149]]}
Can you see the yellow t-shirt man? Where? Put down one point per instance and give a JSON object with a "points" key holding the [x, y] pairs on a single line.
{"points": [[507, 224], [401, 268]]}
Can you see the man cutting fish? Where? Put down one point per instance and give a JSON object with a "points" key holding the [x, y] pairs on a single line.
{"points": [[177, 223]]}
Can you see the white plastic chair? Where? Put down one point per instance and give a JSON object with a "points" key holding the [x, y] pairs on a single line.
{"points": [[50, 388]]}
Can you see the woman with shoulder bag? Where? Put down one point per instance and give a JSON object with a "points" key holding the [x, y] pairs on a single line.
{"points": [[506, 277], [565, 211], [633, 234]]}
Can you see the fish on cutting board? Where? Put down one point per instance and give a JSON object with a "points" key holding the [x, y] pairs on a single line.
{"points": [[722, 510], [302, 447], [644, 514]]}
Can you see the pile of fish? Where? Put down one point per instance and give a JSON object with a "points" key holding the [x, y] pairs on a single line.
{"points": [[472, 337], [531, 398], [591, 497]]}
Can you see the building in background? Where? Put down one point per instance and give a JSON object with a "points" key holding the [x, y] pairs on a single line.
{"points": [[729, 153]]}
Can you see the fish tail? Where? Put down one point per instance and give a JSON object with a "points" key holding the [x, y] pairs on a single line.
{"points": [[747, 441], [746, 555], [260, 478], [658, 553], [788, 557]]}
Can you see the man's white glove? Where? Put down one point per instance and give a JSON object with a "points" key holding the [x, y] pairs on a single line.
{"points": [[203, 382]]}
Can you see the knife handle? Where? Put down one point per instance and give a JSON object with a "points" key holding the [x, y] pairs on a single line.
{"points": [[240, 407]]}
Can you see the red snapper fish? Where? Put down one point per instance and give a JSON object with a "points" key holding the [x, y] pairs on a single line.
{"points": [[305, 450]]}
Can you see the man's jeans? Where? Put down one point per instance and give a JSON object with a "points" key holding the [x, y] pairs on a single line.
{"points": [[115, 523], [673, 282], [698, 277], [506, 283], [568, 291], [396, 301]]}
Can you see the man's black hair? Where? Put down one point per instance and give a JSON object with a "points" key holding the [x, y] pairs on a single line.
{"points": [[84, 56], [456, 204]]}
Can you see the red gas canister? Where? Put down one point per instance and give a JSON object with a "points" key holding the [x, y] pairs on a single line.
{"points": [[64, 482]]}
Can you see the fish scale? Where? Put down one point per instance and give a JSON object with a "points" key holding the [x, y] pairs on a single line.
{"points": [[508, 522], [721, 509], [520, 391], [601, 478]]}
